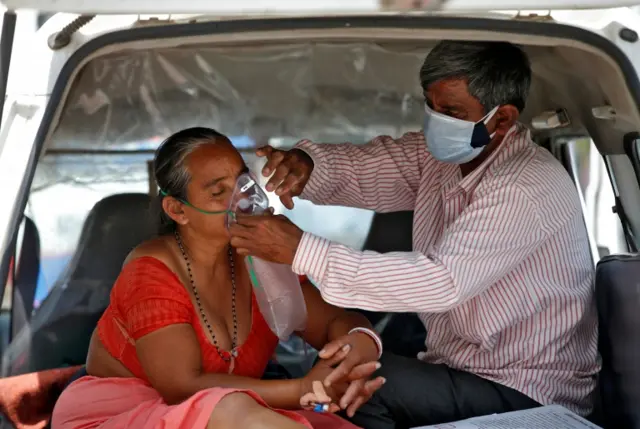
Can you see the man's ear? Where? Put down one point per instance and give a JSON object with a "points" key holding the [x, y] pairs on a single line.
{"points": [[506, 116], [175, 210]]}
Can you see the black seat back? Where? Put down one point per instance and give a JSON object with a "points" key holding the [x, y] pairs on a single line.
{"points": [[390, 232], [403, 333], [61, 328], [618, 301]]}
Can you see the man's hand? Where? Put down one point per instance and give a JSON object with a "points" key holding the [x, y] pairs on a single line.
{"points": [[291, 171], [268, 237], [356, 356]]}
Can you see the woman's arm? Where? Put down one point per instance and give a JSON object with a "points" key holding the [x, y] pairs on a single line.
{"points": [[171, 359], [327, 323], [353, 353]]}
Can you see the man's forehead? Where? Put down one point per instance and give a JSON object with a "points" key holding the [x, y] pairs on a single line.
{"points": [[448, 90], [453, 94]]}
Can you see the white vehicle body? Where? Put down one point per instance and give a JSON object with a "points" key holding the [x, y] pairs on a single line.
{"points": [[277, 71]]}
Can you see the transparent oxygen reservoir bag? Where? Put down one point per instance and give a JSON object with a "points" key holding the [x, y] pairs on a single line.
{"points": [[276, 286]]}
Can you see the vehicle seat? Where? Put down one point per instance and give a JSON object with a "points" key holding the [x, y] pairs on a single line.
{"points": [[618, 302], [61, 327], [26, 277], [402, 333]]}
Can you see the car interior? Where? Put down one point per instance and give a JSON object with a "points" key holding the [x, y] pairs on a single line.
{"points": [[120, 103]]}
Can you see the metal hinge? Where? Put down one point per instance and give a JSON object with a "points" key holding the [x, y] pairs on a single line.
{"points": [[524, 15], [154, 20]]}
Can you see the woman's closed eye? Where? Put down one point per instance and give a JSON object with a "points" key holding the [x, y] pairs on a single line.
{"points": [[218, 193]]}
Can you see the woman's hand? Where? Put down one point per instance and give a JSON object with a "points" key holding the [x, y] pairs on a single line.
{"points": [[356, 356], [313, 391], [348, 352], [318, 395]]}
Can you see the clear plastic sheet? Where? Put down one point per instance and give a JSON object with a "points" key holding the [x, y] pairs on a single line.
{"points": [[87, 170], [124, 104], [328, 92]]}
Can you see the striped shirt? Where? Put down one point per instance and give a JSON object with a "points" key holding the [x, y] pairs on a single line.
{"points": [[501, 273]]}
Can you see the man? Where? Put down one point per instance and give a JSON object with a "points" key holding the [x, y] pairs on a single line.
{"points": [[501, 272]]}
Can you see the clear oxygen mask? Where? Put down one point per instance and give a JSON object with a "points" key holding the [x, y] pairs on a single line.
{"points": [[247, 198]]}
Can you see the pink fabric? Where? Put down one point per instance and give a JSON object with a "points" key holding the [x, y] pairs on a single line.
{"points": [[501, 273], [124, 403]]}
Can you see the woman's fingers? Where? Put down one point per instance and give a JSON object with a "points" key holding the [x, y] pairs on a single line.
{"points": [[334, 352], [358, 393], [371, 386], [364, 370], [352, 392], [321, 394], [307, 400], [333, 408], [360, 400], [318, 396]]}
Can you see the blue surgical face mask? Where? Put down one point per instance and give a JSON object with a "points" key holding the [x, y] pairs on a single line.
{"points": [[453, 140]]}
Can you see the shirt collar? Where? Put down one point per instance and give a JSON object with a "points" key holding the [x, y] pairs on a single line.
{"points": [[516, 139]]}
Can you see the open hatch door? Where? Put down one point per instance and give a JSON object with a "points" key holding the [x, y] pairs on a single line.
{"points": [[279, 7]]}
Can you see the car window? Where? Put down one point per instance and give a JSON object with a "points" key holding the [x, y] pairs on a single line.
{"points": [[597, 189]]}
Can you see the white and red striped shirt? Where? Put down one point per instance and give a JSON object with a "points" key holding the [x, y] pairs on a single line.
{"points": [[501, 273]]}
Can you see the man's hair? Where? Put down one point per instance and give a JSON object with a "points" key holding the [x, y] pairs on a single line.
{"points": [[496, 73]]}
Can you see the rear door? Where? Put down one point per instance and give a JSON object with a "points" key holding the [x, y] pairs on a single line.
{"points": [[252, 6]]}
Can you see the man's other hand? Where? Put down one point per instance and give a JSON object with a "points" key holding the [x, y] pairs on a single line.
{"points": [[289, 170]]}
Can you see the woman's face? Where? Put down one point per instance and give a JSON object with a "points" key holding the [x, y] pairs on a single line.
{"points": [[213, 169]]}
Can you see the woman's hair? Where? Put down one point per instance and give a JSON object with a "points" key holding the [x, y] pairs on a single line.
{"points": [[170, 171]]}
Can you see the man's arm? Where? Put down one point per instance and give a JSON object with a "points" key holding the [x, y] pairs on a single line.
{"points": [[489, 239], [382, 175]]}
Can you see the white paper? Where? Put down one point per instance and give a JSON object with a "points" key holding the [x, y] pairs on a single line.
{"points": [[550, 416]]}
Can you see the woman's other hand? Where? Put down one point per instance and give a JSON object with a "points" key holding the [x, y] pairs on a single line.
{"points": [[349, 353], [356, 355], [318, 395], [310, 392]]}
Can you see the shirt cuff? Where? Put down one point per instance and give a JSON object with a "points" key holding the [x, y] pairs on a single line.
{"points": [[311, 258]]}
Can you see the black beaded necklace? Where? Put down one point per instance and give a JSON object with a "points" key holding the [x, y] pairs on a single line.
{"points": [[226, 356]]}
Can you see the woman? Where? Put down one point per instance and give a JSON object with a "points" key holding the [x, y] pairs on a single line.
{"points": [[183, 343]]}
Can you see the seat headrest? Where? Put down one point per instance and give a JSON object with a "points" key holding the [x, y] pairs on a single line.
{"points": [[114, 226]]}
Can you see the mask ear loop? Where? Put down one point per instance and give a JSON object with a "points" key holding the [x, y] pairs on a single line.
{"points": [[185, 202], [488, 117]]}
